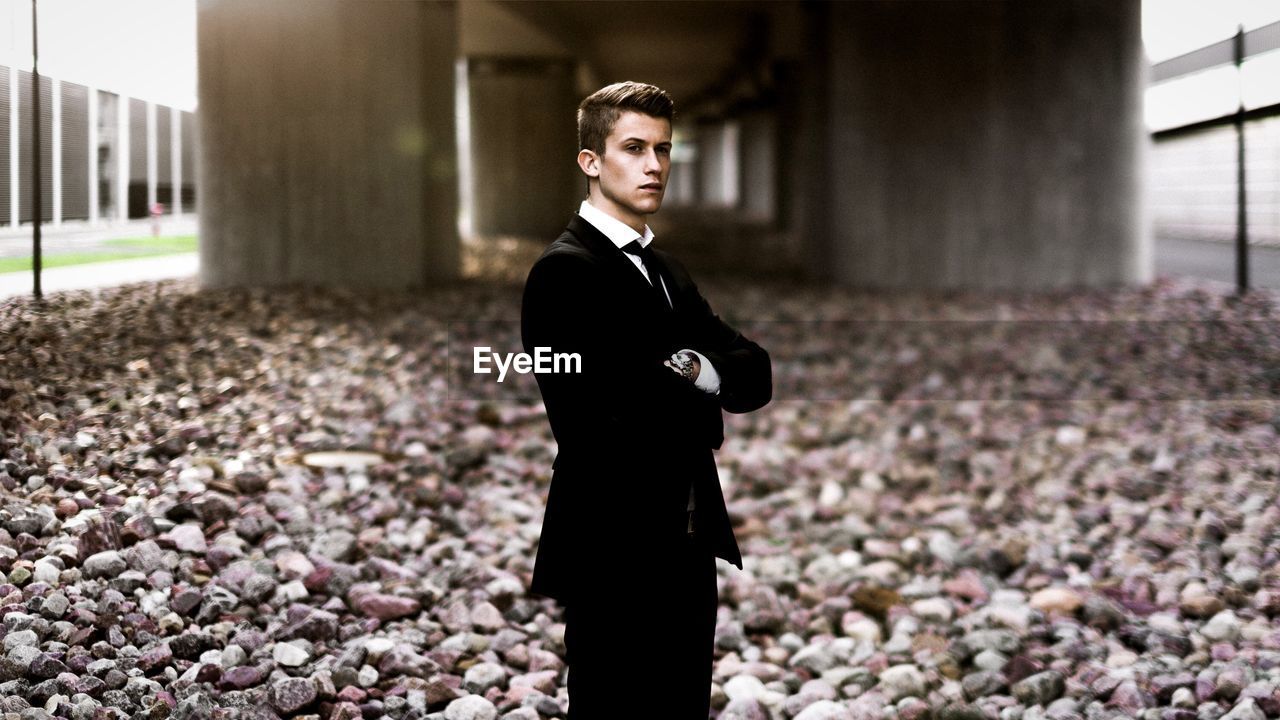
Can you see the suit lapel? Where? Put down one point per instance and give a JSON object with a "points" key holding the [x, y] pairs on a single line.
{"points": [[661, 269], [618, 263]]}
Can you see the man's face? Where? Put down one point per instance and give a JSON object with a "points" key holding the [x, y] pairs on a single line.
{"points": [[633, 170]]}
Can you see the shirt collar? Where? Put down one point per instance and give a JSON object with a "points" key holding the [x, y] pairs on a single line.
{"points": [[618, 232]]}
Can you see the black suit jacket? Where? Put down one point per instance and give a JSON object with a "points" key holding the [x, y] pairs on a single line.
{"points": [[633, 436]]}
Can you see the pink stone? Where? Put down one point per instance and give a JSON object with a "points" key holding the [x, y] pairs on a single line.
{"points": [[517, 693], [544, 682], [352, 694], [386, 607], [966, 584], [346, 711]]}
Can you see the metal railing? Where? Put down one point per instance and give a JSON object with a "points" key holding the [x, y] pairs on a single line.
{"points": [[1232, 51]]}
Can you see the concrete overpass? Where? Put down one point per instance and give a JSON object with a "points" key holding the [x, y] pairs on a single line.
{"points": [[872, 143]]}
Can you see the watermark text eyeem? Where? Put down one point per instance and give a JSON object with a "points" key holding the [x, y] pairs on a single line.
{"points": [[542, 361]]}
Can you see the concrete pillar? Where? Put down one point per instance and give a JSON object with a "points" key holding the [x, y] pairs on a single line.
{"points": [[802, 117], [14, 169], [523, 143], [521, 94], [984, 144], [92, 169], [122, 158], [175, 161], [327, 148], [718, 165], [758, 158], [153, 170], [682, 185], [55, 141]]}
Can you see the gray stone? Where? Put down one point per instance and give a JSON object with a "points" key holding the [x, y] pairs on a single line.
{"points": [[743, 687], [990, 660], [487, 618], [107, 563], [744, 709], [1040, 689], [1246, 709], [1223, 627], [825, 710], [290, 654], [233, 655], [983, 683], [21, 638], [814, 658], [338, 545], [1064, 708], [189, 538], [961, 712], [900, 681], [1002, 641], [195, 706], [470, 707], [482, 676], [11, 669], [55, 605], [46, 572], [146, 556]]}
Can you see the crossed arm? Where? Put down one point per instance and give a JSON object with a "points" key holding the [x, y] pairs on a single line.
{"points": [[625, 393]]}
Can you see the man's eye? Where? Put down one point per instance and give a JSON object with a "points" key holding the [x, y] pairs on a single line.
{"points": [[664, 150], [633, 148]]}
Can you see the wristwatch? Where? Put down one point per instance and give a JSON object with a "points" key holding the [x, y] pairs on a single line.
{"points": [[682, 362]]}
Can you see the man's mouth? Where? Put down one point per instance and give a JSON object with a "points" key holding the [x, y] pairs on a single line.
{"points": [[652, 186]]}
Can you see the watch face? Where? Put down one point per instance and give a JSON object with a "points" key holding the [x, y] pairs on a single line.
{"points": [[683, 363]]}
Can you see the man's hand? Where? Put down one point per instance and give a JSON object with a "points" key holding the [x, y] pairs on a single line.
{"points": [[685, 364]]}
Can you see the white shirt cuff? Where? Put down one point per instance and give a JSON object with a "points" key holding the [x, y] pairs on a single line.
{"points": [[708, 379]]}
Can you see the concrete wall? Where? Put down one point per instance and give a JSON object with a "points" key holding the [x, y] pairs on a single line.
{"points": [[1193, 179], [981, 144], [327, 142]]}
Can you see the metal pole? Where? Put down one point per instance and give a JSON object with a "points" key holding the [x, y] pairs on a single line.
{"points": [[37, 199], [1242, 217]]}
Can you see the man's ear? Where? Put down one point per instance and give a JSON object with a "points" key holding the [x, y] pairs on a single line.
{"points": [[589, 162]]}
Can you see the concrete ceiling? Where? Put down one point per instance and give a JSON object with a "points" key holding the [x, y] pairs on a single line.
{"points": [[689, 48]]}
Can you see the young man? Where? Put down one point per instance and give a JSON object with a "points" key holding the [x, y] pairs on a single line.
{"points": [[635, 517]]}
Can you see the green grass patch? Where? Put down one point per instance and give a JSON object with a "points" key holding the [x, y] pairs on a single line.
{"points": [[118, 249], [171, 244]]}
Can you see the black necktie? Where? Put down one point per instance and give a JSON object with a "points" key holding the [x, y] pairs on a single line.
{"points": [[650, 261]]}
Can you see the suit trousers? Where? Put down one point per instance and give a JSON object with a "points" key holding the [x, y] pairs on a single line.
{"points": [[646, 653]]}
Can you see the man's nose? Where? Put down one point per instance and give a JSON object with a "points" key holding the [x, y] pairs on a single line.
{"points": [[652, 163]]}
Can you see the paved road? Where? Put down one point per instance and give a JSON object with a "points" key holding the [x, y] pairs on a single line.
{"points": [[1217, 262], [80, 236], [103, 274]]}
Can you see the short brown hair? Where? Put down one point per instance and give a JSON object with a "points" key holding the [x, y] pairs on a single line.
{"points": [[600, 110]]}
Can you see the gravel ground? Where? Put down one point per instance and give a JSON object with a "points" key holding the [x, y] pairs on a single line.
{"points": [[166, 550]]}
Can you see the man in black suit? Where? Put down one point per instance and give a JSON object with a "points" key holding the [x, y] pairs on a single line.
{"points": [[635, 517]]}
